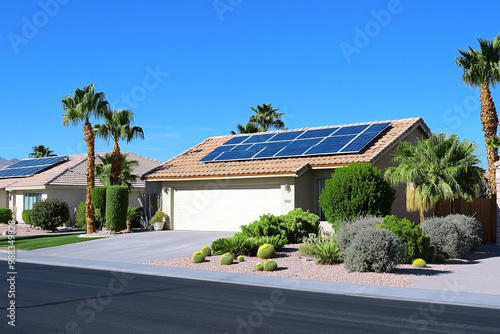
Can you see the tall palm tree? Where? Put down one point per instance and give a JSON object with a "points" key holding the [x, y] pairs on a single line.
{"points": [[267, 117], [436, 169], [249, 127], [482, 69], [117, 127], [103, 170], [40, 151], [79, 109]]}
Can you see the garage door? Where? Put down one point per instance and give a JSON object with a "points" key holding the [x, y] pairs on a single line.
{"points": [[223, 209]]}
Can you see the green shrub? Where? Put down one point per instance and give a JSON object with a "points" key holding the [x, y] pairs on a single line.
{"points": [[440, 258], [241, 258], [80, 220], [99, 202], [276, 241], [227, 259], [27, 216], [374, 250], [354, 190], [266, 251], [5, 215], [50, 213], [293, 226], [349, 229], [270, 265], [327, 252], [159, 216], [236, 245], [198, 257], [259, 266], [134, 215], [419, 263], [453, 235], [416, 244], [116, 207], [206, 251], [431, 253], [307, 249]]}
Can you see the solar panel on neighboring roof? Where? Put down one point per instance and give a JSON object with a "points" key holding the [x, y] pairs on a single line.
{"points": [[28, 167], [334, 140]]}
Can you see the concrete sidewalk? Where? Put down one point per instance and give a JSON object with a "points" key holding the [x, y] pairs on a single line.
{"points": [[475, 284]]}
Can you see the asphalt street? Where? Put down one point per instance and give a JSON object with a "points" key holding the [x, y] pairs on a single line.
{"points": [[55, 299]]}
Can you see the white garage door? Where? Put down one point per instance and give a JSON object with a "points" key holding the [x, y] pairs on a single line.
{"points": [[223, 209]]}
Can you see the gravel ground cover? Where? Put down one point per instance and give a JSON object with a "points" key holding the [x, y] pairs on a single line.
{"points": [[290, 265]]}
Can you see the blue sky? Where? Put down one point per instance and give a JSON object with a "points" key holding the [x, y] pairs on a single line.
{"points": [[191, 69]]}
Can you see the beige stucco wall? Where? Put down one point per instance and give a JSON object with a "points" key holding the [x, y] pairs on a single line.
{"points": [[4, 200], [497, 172]]}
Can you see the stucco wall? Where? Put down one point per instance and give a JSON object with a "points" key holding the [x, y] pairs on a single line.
{"points": [[497, 173], [4, 201]]}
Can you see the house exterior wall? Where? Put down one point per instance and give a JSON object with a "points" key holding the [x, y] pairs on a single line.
{"points": [[4, 200], [497, 177]]}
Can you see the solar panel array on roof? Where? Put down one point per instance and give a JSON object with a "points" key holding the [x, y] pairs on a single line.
{"points": [[334, 140], [28, 167]]}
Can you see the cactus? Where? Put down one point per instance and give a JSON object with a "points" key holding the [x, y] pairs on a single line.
{"points": [[259, 266], [198, 257], [431, 253], [440, 258], [227, 259], [270, 265], [206, 251], [241, 258], [266, 251], [419, 263]]}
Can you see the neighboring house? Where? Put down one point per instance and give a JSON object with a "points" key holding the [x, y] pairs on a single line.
{"points": [[65, 180], [225, 191]]}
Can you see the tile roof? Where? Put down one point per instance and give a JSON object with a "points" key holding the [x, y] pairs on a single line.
{"points": [[73, 173], [187, 164]]}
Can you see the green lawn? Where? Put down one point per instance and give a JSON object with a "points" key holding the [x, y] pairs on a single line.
{"points": [[36, 242]]}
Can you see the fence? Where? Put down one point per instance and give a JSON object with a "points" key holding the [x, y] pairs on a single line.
{"points": [[484, 209]]}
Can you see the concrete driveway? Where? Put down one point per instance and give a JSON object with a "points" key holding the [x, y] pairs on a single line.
{"points": [[136, 247]]}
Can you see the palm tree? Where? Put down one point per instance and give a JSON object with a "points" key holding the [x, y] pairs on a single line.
{"points": [[125, 177], [79, 109], [482, 69], [40, 151], [249, 127], [116, 127], [267, 117], [436, 169]]}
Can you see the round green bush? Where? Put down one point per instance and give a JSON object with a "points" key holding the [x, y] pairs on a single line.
{"points": [[50, 213], [241, 258], [5, 215], [206, 251], [27, 216], [198, 257], [374, 249], [357, 189], [440, 258], [259, 266], [270, 265], [266, 251], [419, 263], [227, 259]]}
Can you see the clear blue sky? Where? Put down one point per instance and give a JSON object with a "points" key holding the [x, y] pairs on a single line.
{"points": [[191, 69]]}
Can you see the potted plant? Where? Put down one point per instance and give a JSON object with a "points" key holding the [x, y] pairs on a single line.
{"points": [[158, 220]]}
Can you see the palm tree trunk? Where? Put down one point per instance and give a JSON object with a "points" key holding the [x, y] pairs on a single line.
{"points": [[421, 211], [489, 120], [89, 208], [438, 208], [116, 164]]}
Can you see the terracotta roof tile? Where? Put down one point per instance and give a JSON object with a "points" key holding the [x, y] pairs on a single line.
{"points": [[188, 165]]}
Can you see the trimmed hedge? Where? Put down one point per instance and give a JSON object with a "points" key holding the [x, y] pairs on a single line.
{"points": [[354, 190], [416, 244], [99, 202], [5, 215], [27, 216], [50, 213], [116, 207], [80, 220]]}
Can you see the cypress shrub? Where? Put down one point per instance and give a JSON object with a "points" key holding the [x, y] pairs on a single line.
{"points": [[354, 190], [99, 202], [116, 207], [50, 213], [27, 216], [5, 215], [80, 220]]}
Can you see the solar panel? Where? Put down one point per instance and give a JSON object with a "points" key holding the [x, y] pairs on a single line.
{"points": [[28, 167], [333, 140]]}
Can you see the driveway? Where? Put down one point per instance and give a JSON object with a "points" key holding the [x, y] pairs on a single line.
{"points": [[137, 247]]}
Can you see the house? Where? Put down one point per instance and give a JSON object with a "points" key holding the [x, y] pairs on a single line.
{"points": [[61, 177], [228, 181]]}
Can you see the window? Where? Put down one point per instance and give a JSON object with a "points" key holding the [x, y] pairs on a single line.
{"points": [[321, 186], [30, 199]]}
